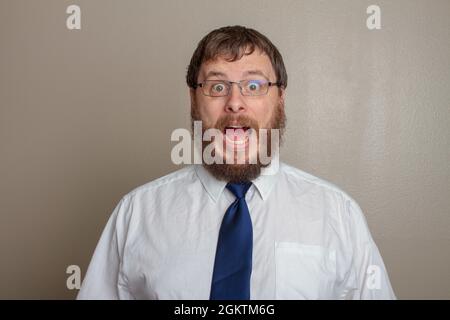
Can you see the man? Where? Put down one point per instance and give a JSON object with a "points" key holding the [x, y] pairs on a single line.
{"points": [[237, 230]]}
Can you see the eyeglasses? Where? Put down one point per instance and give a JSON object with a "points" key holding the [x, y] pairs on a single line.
{"points": [[222, 88]]}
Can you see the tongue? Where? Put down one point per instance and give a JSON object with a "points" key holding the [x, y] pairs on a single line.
{"points": [[235, 134]]}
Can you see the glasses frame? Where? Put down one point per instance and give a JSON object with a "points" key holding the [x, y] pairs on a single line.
{"points": [[230, 86]]}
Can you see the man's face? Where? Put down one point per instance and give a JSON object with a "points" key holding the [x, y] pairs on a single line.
{"points": [[234, 114]]}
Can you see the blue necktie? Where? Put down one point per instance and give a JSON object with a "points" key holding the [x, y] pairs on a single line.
{"points": [[233, 262]]}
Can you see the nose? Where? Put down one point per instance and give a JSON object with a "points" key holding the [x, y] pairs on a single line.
{"points": [[235, 102]]}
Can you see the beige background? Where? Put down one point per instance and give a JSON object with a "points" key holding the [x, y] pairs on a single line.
{"points": [[86, 116]]}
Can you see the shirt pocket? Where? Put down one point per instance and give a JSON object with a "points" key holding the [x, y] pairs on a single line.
{"points": [[304, 271]]}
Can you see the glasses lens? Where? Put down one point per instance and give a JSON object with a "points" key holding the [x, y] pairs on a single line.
{"points": [[215, 88], [254, 87], [221, 88]]}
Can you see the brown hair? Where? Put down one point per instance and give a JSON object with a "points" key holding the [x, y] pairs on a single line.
{"points": [[233, 42]]}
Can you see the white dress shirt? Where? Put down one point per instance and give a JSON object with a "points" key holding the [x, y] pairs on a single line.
{"points": [[310, 241]]}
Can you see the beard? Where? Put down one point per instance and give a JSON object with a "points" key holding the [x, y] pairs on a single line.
{"points": [[242, 172]]}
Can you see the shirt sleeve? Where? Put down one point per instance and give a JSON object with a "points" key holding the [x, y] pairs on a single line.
{"points": [[370, 279], [103, 279]]}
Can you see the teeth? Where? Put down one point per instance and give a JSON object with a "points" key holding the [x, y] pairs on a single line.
{"points": [[233, 137], [238, 142]]}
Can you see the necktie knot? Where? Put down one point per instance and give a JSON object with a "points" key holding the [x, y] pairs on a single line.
{"points": [[239, 189]]}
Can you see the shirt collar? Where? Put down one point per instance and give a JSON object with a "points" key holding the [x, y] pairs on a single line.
{"points": [[266, 180], [214, 187]]}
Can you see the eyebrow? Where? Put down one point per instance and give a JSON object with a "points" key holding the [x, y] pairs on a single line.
{"points": [[255, 72], [214, 73]]}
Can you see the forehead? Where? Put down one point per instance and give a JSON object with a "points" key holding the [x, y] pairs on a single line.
{"points": [[257, 63]]}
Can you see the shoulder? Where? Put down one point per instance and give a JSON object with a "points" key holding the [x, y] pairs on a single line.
{"points": [[304, 183], [171, 182], [334, 204], [154, 196], [296, 176]]}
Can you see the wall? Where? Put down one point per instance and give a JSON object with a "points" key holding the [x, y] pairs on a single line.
{"points": [[86, 115]]}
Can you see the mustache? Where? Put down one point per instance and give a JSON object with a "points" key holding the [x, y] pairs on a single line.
{"points": [[230, 120]]}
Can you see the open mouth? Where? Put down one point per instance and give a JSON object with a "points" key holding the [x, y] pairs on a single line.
{"points": [[237, 135]]}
